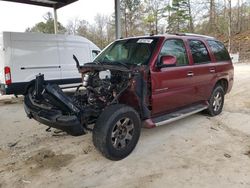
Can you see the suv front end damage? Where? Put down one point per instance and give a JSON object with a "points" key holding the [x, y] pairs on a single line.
{"points": [[103, 85], [49, 105], [113, 101]]}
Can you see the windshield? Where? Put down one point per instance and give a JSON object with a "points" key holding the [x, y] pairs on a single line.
{"points": [[129, 52]]}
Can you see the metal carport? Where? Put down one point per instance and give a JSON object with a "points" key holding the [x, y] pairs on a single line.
{"points": [[56, 4]]}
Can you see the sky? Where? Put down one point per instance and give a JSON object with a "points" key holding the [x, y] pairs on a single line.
{"points": [[17, 17]]}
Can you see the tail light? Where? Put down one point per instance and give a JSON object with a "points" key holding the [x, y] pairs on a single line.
{"points": [[7, 75]]}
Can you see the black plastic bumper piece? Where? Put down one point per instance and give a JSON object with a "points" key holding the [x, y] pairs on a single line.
{"points": [[53, 118]]}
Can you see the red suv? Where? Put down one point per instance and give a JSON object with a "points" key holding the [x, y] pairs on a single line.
{"points": [[133, 83]]}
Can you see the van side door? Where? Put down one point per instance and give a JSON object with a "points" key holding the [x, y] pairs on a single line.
{"points": [[68, 48], [172, 86]]}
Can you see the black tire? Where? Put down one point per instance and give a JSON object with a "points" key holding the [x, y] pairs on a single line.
{"points": [[106, 134], [215, 105]]}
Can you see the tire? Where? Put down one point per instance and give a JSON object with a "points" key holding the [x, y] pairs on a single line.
{"points": [[216, 101], [117, 131]]}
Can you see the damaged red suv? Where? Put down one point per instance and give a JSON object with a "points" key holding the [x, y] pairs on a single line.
{"points": [[133, 83]]}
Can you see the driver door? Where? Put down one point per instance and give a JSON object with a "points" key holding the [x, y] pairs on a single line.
{"points": [[172, 87]]}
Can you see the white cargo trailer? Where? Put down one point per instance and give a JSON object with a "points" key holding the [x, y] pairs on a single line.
{"points": [[25, 55]]}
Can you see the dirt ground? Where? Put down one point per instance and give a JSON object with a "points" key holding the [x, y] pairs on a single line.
{"points": [[197, 151]]}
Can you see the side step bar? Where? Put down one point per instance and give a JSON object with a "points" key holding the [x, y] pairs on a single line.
{"points": [[168, 118]]}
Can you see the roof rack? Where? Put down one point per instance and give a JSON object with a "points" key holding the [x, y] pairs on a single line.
{"points": [[193, 34]]}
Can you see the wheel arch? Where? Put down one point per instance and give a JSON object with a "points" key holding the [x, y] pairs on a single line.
{"points": [[224, 83]]}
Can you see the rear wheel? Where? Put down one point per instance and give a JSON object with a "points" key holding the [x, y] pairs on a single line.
{"points": [[117, 131], [216, 101]]}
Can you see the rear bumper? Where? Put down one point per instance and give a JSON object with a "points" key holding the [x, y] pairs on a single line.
{"points": [[14, 88], [53, 118]]}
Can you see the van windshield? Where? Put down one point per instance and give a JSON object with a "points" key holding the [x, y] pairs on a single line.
{"points": [[129, 52]]}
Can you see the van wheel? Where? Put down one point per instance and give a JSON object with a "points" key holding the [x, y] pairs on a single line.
{"points": [[117, 131], [216, 101]]}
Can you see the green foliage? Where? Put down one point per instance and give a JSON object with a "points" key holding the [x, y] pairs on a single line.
{"points": [[47, 26], [179, 17]]}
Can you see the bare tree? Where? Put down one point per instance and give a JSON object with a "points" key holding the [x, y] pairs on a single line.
{"points": [[191, 24], [155, 10], [212, 13], [101, 24], [72, 26], [229, 24]]}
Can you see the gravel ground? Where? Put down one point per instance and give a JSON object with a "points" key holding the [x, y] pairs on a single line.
{"points": [[197, 151]]}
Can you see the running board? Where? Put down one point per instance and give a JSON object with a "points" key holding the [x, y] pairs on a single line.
{"points": [[168, 118]]}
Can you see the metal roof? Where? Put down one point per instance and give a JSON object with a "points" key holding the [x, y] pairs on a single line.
{"points": [[46, 3]]}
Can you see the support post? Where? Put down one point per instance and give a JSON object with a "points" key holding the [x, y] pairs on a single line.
{"points": [[117, 19], [55, 21]]}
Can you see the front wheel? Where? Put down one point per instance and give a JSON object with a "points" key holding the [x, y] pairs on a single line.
{"points": [[216, 101], [117, 131]]}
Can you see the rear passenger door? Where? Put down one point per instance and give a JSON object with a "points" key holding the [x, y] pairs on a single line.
{"points": [[172, 86], [203, 69]]}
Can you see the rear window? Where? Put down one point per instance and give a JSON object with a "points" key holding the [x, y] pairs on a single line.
{"points": [[219, 50]]}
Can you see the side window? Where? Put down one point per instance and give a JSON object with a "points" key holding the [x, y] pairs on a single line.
{"points": [[95, 53], [199, 52], [175, 47], [219, 50]]}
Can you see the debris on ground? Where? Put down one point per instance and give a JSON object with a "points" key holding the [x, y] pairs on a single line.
{"points": [[214, 128], [13, 144], [227, 155], [247, 153]]}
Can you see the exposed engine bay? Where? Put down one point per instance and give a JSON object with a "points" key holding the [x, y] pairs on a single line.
{"points": [[102, 85], [102, 88]]}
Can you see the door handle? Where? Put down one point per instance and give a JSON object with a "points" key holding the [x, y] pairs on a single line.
{"points": [[212, 70], [190, 74]]}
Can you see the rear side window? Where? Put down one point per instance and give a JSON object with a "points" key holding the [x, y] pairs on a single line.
{"points": [[175, 47], [199, 52], [219, 50]]}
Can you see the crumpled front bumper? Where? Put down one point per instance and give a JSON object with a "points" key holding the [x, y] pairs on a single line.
{"points": [[52, 118]]}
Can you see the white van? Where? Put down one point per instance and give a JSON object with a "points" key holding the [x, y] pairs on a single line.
{"points": [[25, 55]]}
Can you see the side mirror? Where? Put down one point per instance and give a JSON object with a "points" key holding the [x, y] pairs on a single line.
{"points": [[167, 61]]}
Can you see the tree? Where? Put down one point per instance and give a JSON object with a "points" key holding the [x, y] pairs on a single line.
{"points": [[191, 23], [101, 25], [72, 26], [101, 32], [47, 26], [212, 13], [229, 24], [180, 18], [154, 12], [131, 17]]}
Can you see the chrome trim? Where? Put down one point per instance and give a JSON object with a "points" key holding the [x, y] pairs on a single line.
{"points": [[179, 117], [163, 89]]}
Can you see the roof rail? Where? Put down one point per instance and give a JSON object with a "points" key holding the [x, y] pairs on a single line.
{"points": [[193, 34]]}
